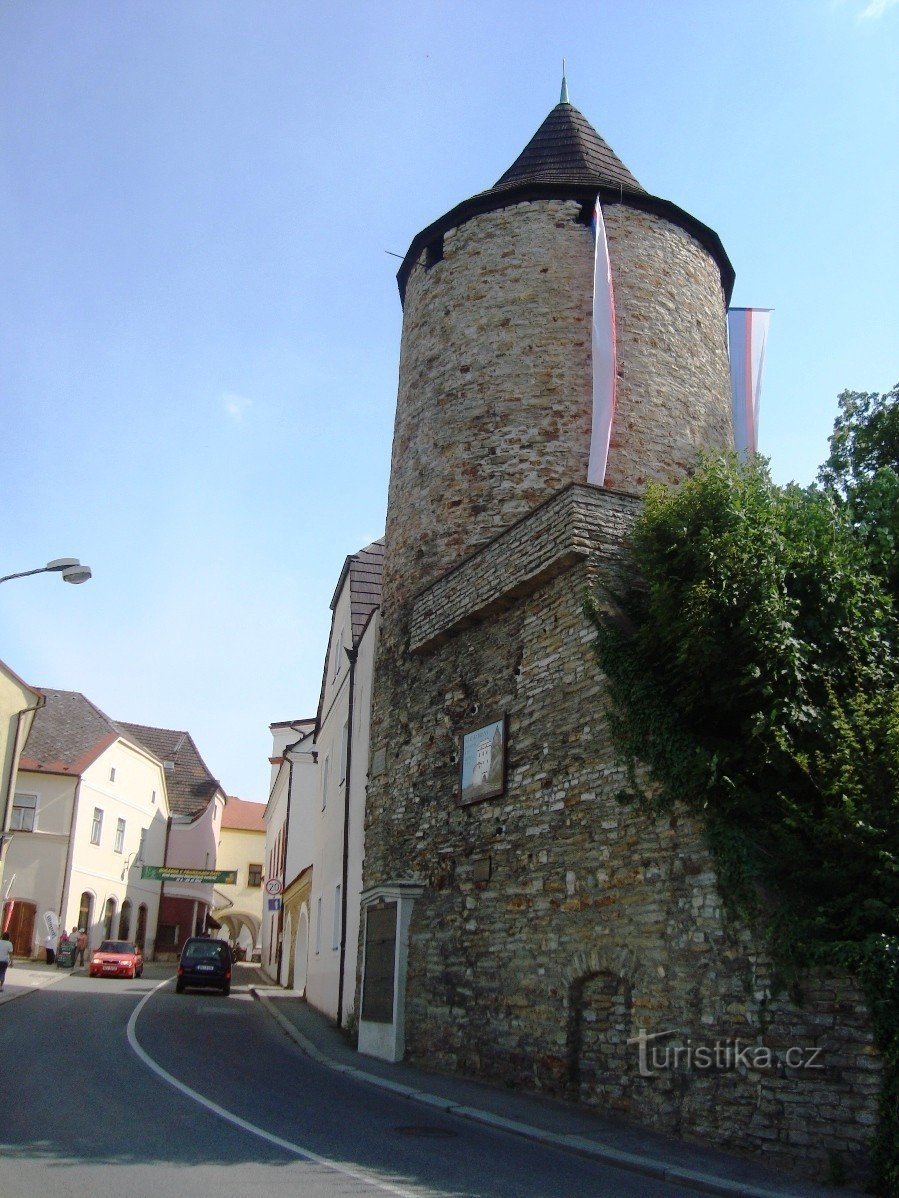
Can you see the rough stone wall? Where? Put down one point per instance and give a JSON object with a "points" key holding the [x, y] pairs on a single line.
{"points": [[596, 921], [673, 397], [493, 409], [576, 521], [495, 395]]}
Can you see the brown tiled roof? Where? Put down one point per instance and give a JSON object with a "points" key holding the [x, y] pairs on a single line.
{"points": [[567, 149], [189, 784], [566, 159], [366, 568], [244, 816], [68, 733]]}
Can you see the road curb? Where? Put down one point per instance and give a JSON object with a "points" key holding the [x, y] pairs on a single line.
{"points": [[632, 1162]]}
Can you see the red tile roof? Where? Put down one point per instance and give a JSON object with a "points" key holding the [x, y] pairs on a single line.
{"points": [[243, 815]]}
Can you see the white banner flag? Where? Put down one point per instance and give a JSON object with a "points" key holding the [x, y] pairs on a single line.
{"points": [[747, 332], [605, 359]]}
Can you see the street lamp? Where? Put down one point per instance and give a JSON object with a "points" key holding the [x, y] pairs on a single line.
{"points": [[70, 568]]}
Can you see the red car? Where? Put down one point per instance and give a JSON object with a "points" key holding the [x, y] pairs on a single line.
{"points": [[116, 959]]}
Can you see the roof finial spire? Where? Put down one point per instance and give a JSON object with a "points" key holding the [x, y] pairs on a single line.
{"points": [[563, 98]]}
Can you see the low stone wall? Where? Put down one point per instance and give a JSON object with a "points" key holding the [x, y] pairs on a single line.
{"points": [[575, 522]]}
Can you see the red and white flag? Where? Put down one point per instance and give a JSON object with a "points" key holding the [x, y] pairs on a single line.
{"points": [[747, 332], [605, 360]]}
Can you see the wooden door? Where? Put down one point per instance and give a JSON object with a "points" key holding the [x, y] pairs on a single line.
{"points": [[19, 923]]}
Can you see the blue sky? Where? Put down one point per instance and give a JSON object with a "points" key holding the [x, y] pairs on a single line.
{"points": [[199, 321]]}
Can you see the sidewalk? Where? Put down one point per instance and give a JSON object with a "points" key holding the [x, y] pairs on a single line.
{"points": [[32, 975], [545, 1120]]}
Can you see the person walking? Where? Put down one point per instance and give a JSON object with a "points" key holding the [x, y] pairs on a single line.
{"points": [[5, 957], [50, 947], [80, 946]]}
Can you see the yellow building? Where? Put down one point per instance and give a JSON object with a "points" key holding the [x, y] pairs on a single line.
{"points": [[18, 703], [242, 848]]}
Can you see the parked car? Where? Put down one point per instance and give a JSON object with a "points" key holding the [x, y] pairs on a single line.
{"points": [[205, 963], [116, 959]]}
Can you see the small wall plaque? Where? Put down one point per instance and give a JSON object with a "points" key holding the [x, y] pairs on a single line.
{"points": [[483, 769]]}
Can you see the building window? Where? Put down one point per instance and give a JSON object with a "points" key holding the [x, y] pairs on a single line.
{"points": [[97, 825], [335, 939], [344, 749], [120, 836], [153, 797], [254, 875], [325, 769], [318, 925], [338, 655], [112, 773], [24, 811], [108, 917]]}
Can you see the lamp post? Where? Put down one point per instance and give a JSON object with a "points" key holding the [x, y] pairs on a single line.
{"points": [[70, 568]]}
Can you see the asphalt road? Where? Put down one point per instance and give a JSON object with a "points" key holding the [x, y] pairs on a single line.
{"points": [[111, 1087]]}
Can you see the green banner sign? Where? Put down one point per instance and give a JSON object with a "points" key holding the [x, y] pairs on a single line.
{"points": [[169, 873]]}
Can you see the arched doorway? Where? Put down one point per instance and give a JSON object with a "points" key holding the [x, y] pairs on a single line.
{"points": [[140, 936], [18, 921], [86, 912], [108, 918], [301, 951], [125, 920], [601, 1061]]}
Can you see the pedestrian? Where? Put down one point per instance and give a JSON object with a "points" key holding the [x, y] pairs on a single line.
{"points": [[80, 946], [50, 947], [5, 957]]}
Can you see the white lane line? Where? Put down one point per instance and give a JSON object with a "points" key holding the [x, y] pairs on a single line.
{"points": [[306, 1153]]}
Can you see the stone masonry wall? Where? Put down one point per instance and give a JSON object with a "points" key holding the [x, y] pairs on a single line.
{"points": [[673, 398], [495, 395], [595, 921], [576, 521]]}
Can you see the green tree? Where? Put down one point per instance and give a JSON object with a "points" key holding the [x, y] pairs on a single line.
{"points": [[863, 472], [756, 675]]}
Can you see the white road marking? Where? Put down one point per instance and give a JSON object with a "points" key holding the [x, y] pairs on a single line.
{"points": [[306, 1153]]}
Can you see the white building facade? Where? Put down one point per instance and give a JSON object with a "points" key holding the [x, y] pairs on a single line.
{"points": [[318, 796]]}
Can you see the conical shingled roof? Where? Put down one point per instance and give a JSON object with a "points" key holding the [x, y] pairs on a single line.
{"points": [[567, 149], [565, 159]]}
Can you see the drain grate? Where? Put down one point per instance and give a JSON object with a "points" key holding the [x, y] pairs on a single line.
{"points": [[427, 1132]]}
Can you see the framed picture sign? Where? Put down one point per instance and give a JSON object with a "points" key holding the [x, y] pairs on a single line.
{"points": [[482, 773]]}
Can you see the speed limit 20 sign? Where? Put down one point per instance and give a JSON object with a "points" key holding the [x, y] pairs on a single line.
{"points": [[274, 886]]}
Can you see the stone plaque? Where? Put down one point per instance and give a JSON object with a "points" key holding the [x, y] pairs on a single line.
{"points": [[380, 956], [378, 762], [480, 869]]}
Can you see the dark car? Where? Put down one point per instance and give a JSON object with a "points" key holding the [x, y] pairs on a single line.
{"points": [[205, 963]]}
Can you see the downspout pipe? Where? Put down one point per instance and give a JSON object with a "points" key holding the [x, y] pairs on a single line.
{"points": [[67, 872], [281, 864], [165, 861], [352, 656]]}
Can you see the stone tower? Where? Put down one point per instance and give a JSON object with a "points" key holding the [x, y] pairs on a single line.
{"points": [[494, 404], [527, 925]]}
